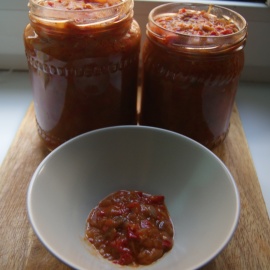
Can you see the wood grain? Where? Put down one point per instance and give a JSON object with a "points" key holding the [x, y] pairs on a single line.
{"points": [[249, 248]]}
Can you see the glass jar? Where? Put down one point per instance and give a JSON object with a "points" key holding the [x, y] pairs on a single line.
{"points": [[83, 63], [190, 80]]}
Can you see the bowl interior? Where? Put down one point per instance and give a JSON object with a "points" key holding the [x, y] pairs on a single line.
{"points": [[199, 191]]}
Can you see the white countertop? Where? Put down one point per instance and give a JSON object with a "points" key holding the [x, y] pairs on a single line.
{"points": [[253, 101]]}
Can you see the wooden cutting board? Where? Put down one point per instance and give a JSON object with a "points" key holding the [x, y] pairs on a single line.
{"points": [[249, 248]]}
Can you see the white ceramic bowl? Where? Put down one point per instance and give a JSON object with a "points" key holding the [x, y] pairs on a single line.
{"points": [[199, 191]]}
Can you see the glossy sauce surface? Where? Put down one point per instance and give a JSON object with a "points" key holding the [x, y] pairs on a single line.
{"points": [[130, 228]]}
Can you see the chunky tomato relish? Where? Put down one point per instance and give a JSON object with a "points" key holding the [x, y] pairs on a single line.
{"points": [[130, 228], [196, 22]]}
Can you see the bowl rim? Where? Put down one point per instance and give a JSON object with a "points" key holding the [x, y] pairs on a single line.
{"points": [[68, 262]]}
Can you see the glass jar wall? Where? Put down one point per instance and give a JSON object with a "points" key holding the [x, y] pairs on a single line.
{"points": [[190, 79], [83, 63]]}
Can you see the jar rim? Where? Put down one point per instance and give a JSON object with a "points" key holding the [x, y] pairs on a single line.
{"points": [[203, 41], [81, 17]]}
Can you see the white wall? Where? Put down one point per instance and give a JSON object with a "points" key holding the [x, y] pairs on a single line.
{"points": [[14, 18]]}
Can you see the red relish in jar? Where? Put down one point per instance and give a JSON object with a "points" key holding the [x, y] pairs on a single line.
{"points": [[83, 62], [192, 60]]}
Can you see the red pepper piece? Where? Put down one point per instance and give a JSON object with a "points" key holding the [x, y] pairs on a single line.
{"points": [[125, 258], [167, 244], [50, 3], [227, 32], [159, 199], [132, 231], [133, 205]]}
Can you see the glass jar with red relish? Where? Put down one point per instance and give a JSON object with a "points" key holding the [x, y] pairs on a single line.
{"points": [[83, 62], [192, 60]]}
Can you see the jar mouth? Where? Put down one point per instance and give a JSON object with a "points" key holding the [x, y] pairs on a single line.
{"points": [[194, 42], [81, 17]]}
